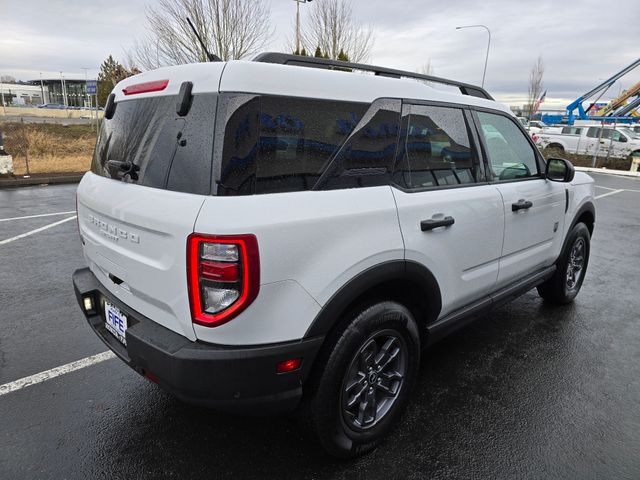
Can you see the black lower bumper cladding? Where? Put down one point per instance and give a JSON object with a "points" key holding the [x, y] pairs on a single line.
{"points": [[230, 378]]}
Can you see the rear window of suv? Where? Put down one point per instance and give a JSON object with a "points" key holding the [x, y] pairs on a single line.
{"points": [[168, 151]]}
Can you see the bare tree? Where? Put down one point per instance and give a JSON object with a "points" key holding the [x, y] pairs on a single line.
{"points": [[535, 86], [331, 27], [427, 68], [231, 29]]}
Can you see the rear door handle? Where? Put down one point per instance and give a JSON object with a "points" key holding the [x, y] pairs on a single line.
{"points": [[521, 204], [430, 224]]}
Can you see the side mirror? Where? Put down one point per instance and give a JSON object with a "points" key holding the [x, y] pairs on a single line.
{"points": [[622, 139], [559, 170]]}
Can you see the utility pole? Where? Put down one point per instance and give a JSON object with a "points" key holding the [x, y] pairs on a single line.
{"points": [[42, 89], [86, 95], [64, 96], [298, 2], [4, 110]]}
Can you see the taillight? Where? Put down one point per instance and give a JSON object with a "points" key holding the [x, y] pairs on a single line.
{"points": [[224, 276]]}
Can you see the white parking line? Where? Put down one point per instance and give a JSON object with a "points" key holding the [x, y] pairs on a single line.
{"points": [[610, 193], [36, 216], [55, 372], [37, 230]]}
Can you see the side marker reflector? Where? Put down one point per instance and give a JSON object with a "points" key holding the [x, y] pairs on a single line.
{"points": [[289, 365]]}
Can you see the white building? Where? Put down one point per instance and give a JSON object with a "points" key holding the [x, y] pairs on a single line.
{"points": [[18, 94]]}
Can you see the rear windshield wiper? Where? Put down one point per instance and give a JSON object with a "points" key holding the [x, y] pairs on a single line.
{"points": [[124, 168]]}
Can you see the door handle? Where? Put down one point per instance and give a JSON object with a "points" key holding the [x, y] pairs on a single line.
{"points": [[426, 225], [521, 204]]}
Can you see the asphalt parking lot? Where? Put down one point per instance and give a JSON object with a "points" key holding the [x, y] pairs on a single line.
{"points": [[530, 391]]}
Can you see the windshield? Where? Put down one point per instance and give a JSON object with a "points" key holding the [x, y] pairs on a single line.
{"points": [[631, 133]]}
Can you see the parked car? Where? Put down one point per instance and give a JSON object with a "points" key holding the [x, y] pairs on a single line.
{"points": [[536, 126], [615, 142], [263, 237], [52, 105]]}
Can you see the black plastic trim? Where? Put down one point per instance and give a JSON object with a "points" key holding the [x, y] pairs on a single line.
{"points": [[230, 378], [465, 315], [110, 107], [586, 207], [396, 270], [183, 105]]}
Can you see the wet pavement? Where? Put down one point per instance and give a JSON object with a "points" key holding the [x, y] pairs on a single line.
{"points": [[530, 391]]}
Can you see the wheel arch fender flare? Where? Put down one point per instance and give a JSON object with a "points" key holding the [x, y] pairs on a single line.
{"points": [[395, 271], [586, 209]]}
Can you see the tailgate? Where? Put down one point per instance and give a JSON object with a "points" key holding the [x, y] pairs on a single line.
{"points": [[135, 241]]}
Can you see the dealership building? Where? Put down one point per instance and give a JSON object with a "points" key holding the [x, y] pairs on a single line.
{"points": [[37, 92], [20, 94]]}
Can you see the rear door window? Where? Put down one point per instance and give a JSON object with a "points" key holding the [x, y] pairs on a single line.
{"points": [[437, 149], [593, 132], [165, 151]]}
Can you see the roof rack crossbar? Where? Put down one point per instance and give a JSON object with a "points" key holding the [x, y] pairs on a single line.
{"points": [[314, 62]]}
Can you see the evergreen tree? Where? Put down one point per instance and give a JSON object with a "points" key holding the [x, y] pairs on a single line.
{"points": [[318, 53], [111, 72], [304, 52], [343, 56]]}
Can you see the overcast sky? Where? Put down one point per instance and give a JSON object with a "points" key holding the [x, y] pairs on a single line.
{"points": [[581, 42]]}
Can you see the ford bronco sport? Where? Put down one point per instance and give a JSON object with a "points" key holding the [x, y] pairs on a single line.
{"points": [[266, 236]]}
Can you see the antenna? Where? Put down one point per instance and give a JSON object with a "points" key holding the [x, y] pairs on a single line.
{"points": [[210, 56]]}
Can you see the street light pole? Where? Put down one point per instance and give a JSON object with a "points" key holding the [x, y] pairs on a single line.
{"points": [[4, 110], [86, 95], [298, 2], [486, 60], [64, 96], [42, 89]]}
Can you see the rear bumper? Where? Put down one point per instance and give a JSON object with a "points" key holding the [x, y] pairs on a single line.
{"points": [[230, 378]]}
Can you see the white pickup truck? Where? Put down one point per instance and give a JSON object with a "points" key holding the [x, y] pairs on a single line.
{"points": [[615, 142]]}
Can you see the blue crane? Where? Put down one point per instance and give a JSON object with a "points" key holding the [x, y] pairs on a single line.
{"points": [[619, 115], [600, 89]]}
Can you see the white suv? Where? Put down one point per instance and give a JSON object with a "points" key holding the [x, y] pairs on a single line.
{"points": [[267, 237]]}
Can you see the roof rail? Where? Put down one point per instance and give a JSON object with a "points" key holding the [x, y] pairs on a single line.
{"points": [[315, 62]]}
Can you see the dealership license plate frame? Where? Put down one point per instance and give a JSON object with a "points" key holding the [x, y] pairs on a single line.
{"points": [[115, 322]]}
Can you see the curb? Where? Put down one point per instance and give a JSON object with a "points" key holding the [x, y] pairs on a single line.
{"points": [[40, 180], [624, 173]]}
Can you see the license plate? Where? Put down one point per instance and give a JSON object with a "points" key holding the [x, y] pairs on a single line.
{"points": [[115, 322]]}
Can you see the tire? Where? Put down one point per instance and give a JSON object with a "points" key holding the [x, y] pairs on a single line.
{"points": [[383, 333], [556, 146], [571, 269]]}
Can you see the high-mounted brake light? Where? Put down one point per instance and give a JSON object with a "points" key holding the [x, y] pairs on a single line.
{"points": [[224, 276], [154, 86]]}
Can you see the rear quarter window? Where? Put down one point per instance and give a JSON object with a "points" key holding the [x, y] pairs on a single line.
{"points": [[279, 144]]}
